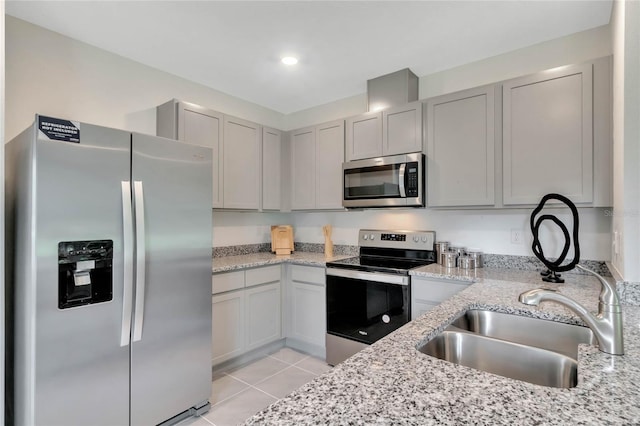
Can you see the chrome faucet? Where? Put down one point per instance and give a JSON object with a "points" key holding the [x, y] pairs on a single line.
{"points": [[607, 325]]}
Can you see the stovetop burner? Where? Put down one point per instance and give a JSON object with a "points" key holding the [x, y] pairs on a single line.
{"points": [[381, 264], [394, 252]]}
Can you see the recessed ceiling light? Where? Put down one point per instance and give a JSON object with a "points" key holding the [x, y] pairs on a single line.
{"points": [[289, 60]]}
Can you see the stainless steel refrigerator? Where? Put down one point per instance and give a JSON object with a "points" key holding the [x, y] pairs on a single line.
{"points": [[109, 276]]}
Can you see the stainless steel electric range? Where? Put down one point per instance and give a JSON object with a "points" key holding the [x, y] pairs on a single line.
{"points": [[369, 296]]}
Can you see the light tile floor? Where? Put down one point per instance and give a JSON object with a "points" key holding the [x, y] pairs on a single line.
{"points": [[240, 393]]}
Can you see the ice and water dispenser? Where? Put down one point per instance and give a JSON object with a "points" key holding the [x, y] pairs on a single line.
{"points": [[85, 272]]}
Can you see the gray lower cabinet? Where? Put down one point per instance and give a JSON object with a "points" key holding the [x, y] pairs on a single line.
{"points": [[246, 311], [228, 332], [427, 293], [263, 314], [306, 318], [461, 148]]}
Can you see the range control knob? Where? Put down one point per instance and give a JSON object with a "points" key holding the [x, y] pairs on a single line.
{"points": [[372, 237], [424, 238], [416, 238], [365, 237]]}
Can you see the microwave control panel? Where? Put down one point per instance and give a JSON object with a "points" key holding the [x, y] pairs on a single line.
{"points": [[412, 179]]}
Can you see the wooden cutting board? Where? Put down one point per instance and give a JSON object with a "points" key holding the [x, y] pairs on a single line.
{"points": [[282, 239]]}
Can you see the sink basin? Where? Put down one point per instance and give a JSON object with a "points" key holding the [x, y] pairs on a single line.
{"points": [[513, 360], [532, 350], [544, 334]]}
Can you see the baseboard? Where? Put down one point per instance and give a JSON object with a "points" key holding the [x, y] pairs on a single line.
{"points": [[308, 348]]}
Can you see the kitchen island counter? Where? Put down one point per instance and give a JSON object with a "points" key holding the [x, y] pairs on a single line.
{"points": [[390, 382], [232, 263]]}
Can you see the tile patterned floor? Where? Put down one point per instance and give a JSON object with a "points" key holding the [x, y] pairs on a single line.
{"points": [[242, 392]]}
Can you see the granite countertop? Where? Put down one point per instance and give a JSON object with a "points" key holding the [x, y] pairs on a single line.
{"points": [[390, 382], [232, 263]]}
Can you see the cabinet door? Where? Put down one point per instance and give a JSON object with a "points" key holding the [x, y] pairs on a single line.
{"points": [[364, 136], [329, 158], [303, 169], [271, 168], [263, 314], [242, 165], [201, 126], [419, 307], [402, 129], [308, 314], [461, 148], [547, 135], [429, 293], [228, 317]]}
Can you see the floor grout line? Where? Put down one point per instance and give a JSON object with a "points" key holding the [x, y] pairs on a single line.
{"points": [[266, 393], [308, 371], [286, 362], [207, 420], [249, 385]]}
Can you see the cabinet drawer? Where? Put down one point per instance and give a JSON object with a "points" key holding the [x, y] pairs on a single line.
{"points": [[227, 281], [435, 290], [308, 274], [267, 274]]}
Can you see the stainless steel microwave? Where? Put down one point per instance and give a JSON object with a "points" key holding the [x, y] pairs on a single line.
{"points": [[393, 181]]}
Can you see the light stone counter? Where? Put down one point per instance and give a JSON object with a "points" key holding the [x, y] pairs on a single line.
{"points": [[232, 263], [391, 383]]}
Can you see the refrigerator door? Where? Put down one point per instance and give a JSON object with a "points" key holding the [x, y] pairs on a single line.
{"points": [[171, 347], [70, 366]]}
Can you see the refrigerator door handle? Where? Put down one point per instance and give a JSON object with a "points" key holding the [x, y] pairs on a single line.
{"points": [[140, 260], [127, 298]]}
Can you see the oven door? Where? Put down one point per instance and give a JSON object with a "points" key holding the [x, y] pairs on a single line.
{"points": [[366, 306]]}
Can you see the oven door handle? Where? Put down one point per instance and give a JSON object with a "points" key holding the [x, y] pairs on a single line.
{"points": [[369, 276]]}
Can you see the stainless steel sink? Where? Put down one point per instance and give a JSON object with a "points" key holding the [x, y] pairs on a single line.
{"points": [[529, 349], [503, 358], [554, 336]]}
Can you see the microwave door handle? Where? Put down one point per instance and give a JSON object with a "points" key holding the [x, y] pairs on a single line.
{"points": [[403, 192]]}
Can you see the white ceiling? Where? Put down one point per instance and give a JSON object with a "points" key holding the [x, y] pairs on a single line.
{"points": [[236, 46]]}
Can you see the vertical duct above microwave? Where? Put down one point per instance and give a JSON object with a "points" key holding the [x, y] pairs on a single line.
{"points": [[396, 88]]}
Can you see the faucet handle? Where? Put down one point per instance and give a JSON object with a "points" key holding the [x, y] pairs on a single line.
{"points": [[608, 294]]}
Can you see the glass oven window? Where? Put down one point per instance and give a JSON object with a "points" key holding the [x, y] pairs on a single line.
{"points": [[372, 182], [364, 310]]}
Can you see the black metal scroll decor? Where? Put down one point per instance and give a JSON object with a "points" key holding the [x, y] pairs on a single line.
{"points": [[555, 266]]}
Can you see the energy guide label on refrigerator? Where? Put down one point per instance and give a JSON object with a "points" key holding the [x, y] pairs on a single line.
{"points": [[58, 130]]}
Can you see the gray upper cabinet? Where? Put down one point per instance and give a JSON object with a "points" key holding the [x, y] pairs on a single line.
{"points": [[197, 125], [303, 168], [364, 136], [329, 159], [548, 140], [317, 154], [396, 130], [271, 169], [402, 129], [242, 164], [461, 148]]}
